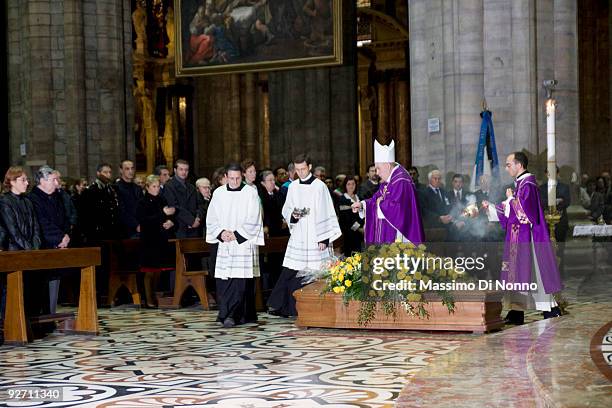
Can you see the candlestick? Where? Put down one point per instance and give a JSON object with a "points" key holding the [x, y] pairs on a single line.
{"points": [[551, 157]]}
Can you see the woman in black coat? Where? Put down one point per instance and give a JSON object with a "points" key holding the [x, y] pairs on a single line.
{"points": [[21, 232], [350, 223], [155, 219], [17, 213]]}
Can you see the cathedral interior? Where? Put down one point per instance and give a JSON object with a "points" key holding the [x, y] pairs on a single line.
{"points": [[85, 82]]}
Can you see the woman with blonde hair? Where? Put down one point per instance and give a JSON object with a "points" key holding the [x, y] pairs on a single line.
{"points": [[156, 225]]}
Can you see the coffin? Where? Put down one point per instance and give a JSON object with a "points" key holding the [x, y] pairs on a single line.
{"points": [[475, 311]]}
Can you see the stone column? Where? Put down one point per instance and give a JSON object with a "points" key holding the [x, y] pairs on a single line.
{"points": [[384, 135], [463, 51], [69, 82]]}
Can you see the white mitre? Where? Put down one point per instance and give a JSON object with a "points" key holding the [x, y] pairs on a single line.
{"points": [[384, 153]]}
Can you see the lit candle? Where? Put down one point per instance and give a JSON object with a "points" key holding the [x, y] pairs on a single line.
{"points": [[551, 158]]}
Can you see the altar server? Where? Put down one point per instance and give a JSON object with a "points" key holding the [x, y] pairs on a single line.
{"points": [[313, 224], [234, 222]]}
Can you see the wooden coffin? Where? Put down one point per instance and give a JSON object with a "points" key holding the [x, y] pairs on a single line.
{"points": [[475, 311]]}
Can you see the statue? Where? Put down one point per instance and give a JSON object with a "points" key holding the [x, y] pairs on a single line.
{"points": [[139, 19], [170, 31]]}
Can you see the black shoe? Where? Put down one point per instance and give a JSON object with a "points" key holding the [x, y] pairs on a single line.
{"points": [[554, 312], [229, 322], [515, 317]]}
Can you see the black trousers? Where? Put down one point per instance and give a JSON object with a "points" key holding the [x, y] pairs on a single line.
{"points": [[281, 299], [236, 299]]}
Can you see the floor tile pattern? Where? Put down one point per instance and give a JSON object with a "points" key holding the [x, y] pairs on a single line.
{"points": [[151, 358]]}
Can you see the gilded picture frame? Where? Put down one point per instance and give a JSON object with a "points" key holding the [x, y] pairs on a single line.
{"points": [[232, 36]]}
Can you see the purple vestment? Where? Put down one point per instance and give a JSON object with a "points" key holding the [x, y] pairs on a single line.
{"points": [[401, 210], [524, 225]]}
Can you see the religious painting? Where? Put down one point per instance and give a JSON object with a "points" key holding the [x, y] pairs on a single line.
{"points": [[226, 36]]}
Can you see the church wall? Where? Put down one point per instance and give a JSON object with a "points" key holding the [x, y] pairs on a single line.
{"points": [[314, 111], [464, 51], [68, 93]]}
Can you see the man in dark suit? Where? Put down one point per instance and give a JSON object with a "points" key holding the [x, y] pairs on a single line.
{"points": [[182, 195], [457, 194], [434, 202], [128, 195], [436, 208]]}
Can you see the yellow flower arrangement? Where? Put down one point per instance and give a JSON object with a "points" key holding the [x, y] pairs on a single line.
{"points": [[354, 279]]}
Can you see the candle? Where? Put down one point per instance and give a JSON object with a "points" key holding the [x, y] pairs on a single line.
{"points": [[551, 158]]}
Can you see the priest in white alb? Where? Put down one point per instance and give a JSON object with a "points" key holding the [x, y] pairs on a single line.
{"points": [[234, 222], [313, 224]]}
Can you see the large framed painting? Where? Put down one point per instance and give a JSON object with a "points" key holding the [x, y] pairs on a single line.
{"points": [[225, 36]]}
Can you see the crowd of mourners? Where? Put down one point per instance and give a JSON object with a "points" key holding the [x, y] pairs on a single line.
{"points": [[46, 213]]}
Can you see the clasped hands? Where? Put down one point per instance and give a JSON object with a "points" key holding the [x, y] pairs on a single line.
{"points": [[227, 236]]}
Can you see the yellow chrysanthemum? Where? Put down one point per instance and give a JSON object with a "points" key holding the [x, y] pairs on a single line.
{"points": [[336, 289], [418, 275], [341, 289], [414, 297], [348, 283]]}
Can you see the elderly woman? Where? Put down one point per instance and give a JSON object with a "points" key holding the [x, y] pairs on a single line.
{"points": [[155, 219], [205, 192]]}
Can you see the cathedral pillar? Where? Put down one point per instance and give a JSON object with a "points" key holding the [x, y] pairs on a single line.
{"points": [[249, 117], [403, 133], [69, 83], [384, 135], [467, 51]]}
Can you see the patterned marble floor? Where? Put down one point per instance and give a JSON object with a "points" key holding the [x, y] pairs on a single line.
{"points": [[151, 358]]}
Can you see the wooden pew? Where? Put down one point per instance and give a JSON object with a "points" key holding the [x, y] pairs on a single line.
{"points": [[197, 279], [14, 263], [185, 278], [123, 268]]}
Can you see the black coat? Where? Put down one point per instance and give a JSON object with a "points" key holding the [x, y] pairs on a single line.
{"points": [[367, 189], [272, 205], [128, 195], [3, 236], [347, 218], [155, 250], [202, 211], [183, 197], [100, 212], [19, 219], [52, 217], [432, 207]]}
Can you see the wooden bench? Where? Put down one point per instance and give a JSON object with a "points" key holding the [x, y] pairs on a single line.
{"points": [[123, 267], [185, 278], [14, 263], [197, 278]]}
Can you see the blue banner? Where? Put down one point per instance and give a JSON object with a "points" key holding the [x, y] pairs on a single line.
{"points": [[486, 141]]}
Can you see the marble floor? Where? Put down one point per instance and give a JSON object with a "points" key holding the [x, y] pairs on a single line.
{"points": [[153, 358]]}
